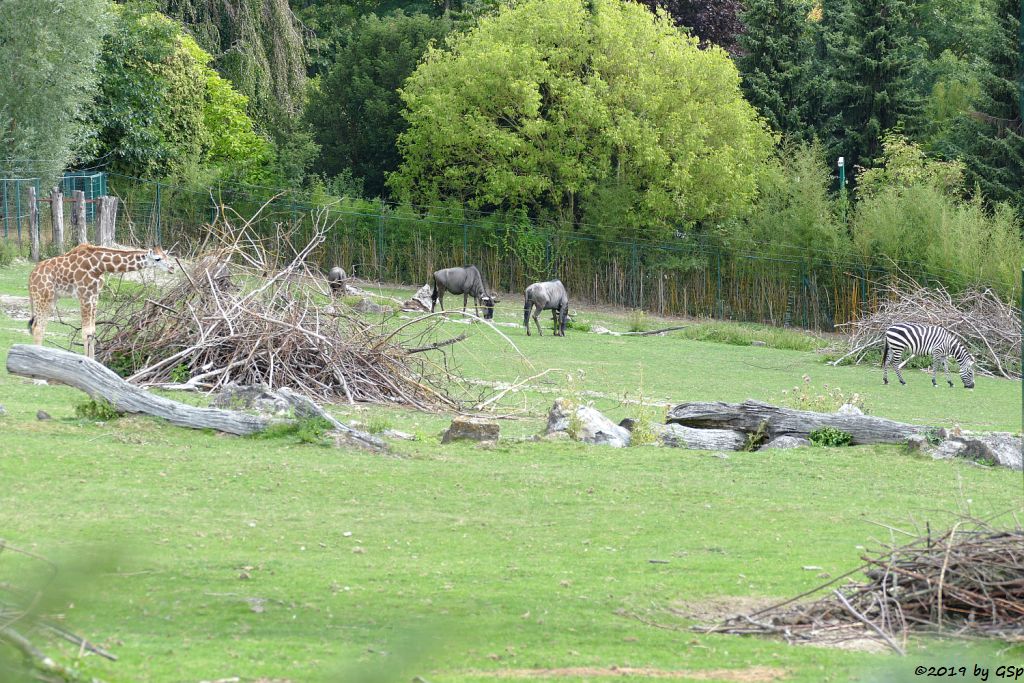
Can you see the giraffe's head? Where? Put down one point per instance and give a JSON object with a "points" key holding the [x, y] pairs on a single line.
{"points": [[156, 258]]}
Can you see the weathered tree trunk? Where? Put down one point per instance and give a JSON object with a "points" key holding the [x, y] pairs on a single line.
{"points": [[99, 382], [106, 220], [57, 219], [749, 415], [33, 221], [78, 217]]}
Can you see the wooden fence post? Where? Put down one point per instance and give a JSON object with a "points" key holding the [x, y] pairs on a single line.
{"points": [[33, 221], [78, 216], [57, 223], [106, 220]]}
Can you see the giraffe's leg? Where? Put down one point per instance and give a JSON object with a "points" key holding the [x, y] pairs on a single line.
{"points": [[89, 326], [42, 308]]}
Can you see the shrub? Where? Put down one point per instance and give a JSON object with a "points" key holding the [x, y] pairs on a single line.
{"points": [[637, 321], [377, 424], [824, 400], [580, 326], [830, 436], [180, 373], [7, 253], [97, 410]]}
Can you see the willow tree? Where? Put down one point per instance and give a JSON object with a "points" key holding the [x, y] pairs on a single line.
{"points": [[584, 113], [49, 49]]}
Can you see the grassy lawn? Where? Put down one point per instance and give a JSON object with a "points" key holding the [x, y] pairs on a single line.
{"points": [[196, 556]]}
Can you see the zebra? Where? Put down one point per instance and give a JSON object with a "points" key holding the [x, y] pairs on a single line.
{"points": [[916, 339]]}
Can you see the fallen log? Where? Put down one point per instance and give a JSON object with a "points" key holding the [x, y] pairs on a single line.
{"points": [[64, 367], [750, 415]]}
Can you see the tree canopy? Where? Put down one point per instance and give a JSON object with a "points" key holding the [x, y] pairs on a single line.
{"points": [[553, 105]]}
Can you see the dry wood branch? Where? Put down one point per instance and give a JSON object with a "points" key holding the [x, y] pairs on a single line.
{"points": [[967, 582]]}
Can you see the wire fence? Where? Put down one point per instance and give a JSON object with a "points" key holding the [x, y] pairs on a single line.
{"points": [[402, 244]]}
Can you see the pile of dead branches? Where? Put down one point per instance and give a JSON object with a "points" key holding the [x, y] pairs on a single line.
{"points": [[21, 626], [243, 314], [967, 582], [990, 328]]}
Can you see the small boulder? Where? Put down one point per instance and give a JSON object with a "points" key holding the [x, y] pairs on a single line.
{"points": [[849, 409], [782, 442], [420, 301], [366, 306], [471, 429], [586, 424], [42, 415], [3, 411]]}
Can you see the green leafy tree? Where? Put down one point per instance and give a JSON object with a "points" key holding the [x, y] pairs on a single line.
{"points": [[775, 60], [869, 55], [551, 106], [355, 114], [161, 108], [49, 49]]}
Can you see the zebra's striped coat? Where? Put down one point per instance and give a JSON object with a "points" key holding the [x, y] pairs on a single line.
{"points": [[916, 339]]}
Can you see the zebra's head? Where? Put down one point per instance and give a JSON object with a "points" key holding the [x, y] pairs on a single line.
{"points": [[967, 372]]}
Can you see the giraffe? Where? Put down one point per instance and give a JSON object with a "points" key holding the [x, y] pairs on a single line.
{"points": [[80, 272]]}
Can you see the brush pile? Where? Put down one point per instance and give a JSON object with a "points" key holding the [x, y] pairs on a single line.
{"points": [[966, 582], [990, 328], [269, 322]]}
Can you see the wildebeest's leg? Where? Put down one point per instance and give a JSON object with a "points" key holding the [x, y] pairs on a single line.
{"points": [[437, 295], [526, 314], [563, 314], [554, 321], [536, 318]]}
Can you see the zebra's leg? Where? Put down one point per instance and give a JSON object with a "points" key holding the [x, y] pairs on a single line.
{"points": [[894, 358], [935, 367], [885, 364], [945, 366]]}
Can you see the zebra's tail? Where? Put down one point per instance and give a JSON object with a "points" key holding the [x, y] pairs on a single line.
{"points": [[885, 351]]}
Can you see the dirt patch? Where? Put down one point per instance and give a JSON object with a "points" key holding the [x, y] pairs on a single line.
{"points": [[754, 674], [718, 609]]}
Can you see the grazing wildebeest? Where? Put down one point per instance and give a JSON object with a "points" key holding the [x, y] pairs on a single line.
{"points": [[466, 281], [543, 296], [913, 339], [336, 280]]}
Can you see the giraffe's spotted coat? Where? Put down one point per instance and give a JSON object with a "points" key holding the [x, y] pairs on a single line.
{"points": [[80, 273]]}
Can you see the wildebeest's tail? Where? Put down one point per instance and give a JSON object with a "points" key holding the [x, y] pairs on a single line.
{"points": [[526, 310]]}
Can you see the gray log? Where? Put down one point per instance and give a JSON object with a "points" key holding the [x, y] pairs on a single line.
{"points": [[57, 219], [678, 436], [749, 415], [96, 380], [33, 221], [78, 216]]}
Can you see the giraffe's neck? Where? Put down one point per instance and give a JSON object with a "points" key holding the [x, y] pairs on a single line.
{"points": [[119, 260]]}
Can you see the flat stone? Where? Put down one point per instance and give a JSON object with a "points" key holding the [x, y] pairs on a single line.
{"points": [[471, 429], [784, 442]]}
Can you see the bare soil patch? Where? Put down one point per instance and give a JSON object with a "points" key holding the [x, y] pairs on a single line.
{"points": [[754, 674]]}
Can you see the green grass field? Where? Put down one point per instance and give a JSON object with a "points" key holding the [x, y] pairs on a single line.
{"points": [[197, 556]]}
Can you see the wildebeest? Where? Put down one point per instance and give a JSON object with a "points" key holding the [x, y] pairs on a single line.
{"points": [[466, 281], [336, 280], [543, 296]]}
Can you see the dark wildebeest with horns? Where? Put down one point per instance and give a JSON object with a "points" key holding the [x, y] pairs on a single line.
{"points": [[542, 296], [466, 281], [336, 280]]}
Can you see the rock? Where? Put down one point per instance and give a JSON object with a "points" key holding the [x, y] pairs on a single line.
{"points": [[42, 415], [917, 442], [849, 409], [420, 301], [251, 397], [782, 442], [1001, 448], [946, 450], [395, 434], [472, 429], [3, 411], [366, 306], [586, 424], [678, 436]]}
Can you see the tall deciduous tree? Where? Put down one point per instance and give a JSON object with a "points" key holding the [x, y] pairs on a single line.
{"points": [[869, 55], [775, 61], [553, 105], [49, 49], [356, 112]]}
